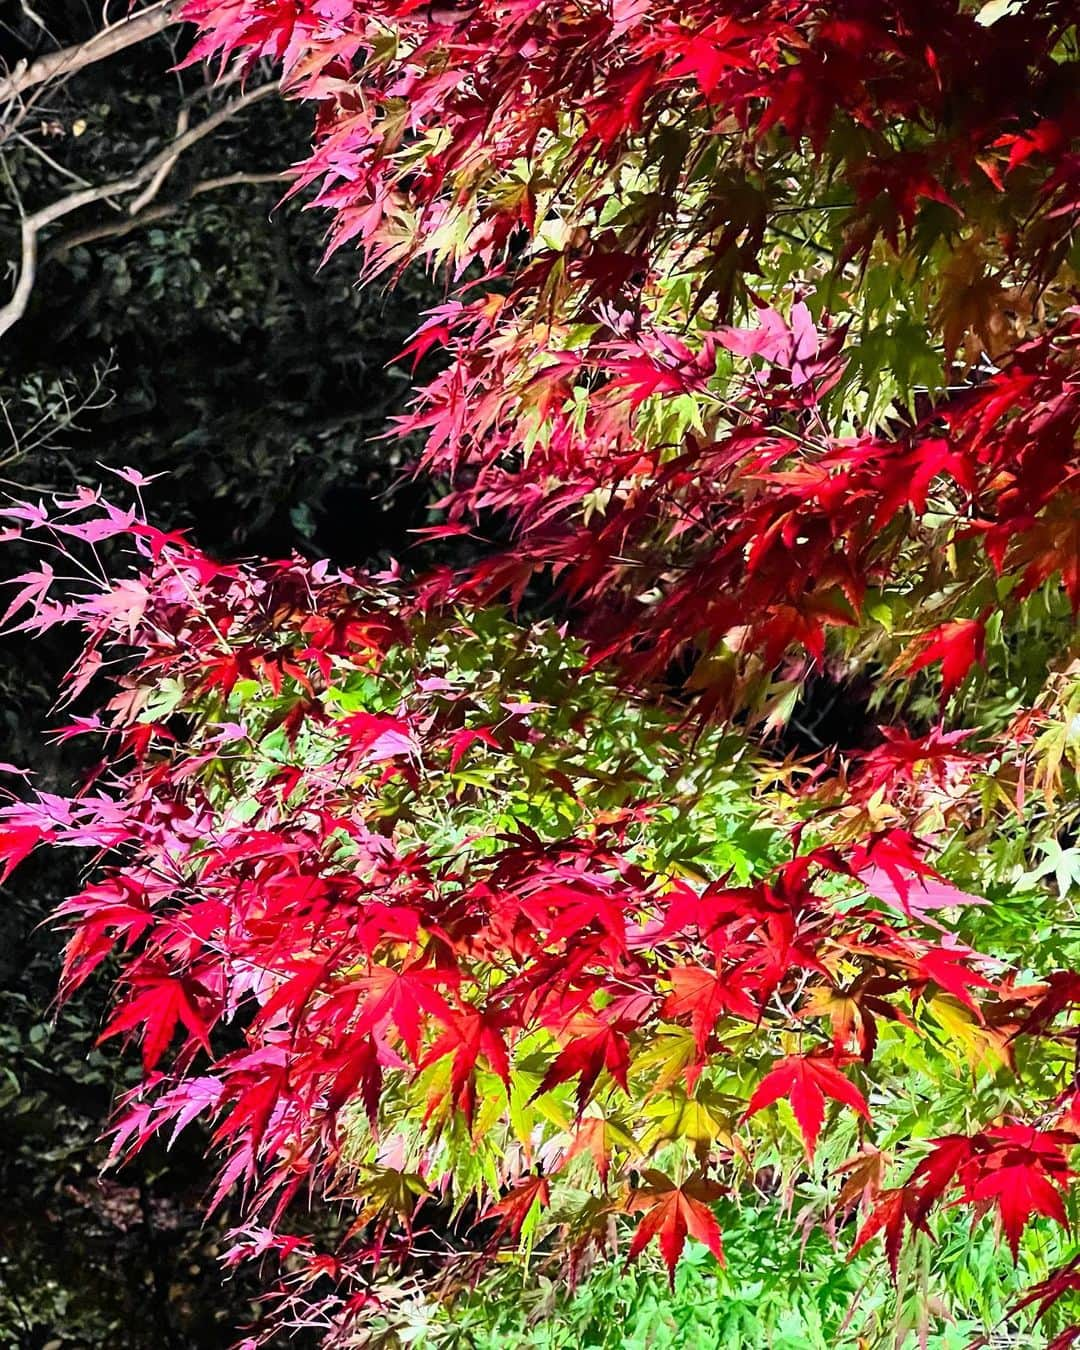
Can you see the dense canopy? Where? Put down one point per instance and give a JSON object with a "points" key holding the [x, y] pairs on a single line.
{"points": [[521, 910]]}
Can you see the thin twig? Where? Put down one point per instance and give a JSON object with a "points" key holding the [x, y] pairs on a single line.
{"points": [[52, 163]]}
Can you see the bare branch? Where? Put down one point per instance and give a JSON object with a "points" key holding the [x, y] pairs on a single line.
{"points": [[117, 229], [38, 220], [53, 164], [34, 17], [115, 38], [227, 180], [147, 195], [63, 402]]}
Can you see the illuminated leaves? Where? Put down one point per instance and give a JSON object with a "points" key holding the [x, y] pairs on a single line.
{"points": [[158, 1005], [889, 1216], [956, 646], [600, 1136], [17, 844], [705, 997], [469, 1038], [520, 1206], [392, 894], [664, 473], [498, 993], [852, 1012], [1017, 1170], [592, 1044], [402, 997]]}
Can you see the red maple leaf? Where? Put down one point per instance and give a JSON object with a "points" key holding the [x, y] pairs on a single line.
{"points": [[592, 1044], [671, 1212], [1016, 1168], [403, 997], [938, 1170], [806, 1080], [1019, 1191], [468, 1036], [163, 1002], [596, 1136], [513, 1209], [705, 997], [958, 645], [1051, 544], [1064, 1280], [15, 845], [1059, 991], [889, 1215], [462, 740], [1023, 1173], [950, 969]]}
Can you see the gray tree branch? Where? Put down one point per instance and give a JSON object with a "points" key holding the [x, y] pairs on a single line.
{"points": [[151, 190], [117, 229], [36, 221], [115, 38]]}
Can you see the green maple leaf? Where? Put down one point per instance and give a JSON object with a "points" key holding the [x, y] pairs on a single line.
{"points": [[1064, 863]]}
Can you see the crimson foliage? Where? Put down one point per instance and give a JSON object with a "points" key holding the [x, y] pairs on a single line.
{"points": [[397, 908]]}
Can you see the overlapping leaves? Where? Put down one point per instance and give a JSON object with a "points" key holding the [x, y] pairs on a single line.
{"points": [[430, 901]]}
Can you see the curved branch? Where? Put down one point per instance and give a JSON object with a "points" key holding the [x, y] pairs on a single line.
{"points": [[115, 38], [151, 190], [38, 220], [117, 229]]}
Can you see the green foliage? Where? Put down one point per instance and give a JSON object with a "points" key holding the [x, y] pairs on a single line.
{"points": [[783, 1288]]}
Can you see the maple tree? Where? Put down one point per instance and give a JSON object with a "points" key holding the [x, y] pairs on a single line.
{"points": [[421, 900]]}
